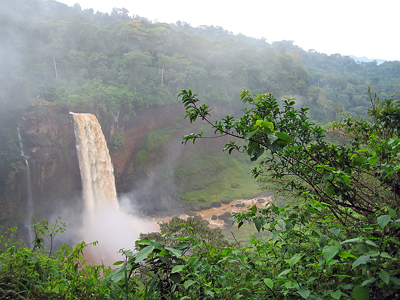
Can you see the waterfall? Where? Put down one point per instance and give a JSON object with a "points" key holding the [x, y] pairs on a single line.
{"points": [[97, 173], [28, 189], [102, 220]]}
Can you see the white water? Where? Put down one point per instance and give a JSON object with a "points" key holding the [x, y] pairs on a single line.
{"points": [[98, 183], [103, 220], [28, 189]]}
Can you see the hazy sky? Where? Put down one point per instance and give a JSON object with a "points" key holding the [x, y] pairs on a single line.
{"points": [[351, 27]]}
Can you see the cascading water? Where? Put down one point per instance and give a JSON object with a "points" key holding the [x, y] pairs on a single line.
{"points": [[102, 220], [28, 189], [98, 183]]}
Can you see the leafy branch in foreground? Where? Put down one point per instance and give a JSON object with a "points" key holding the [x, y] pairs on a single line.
{"points": [[356, 179]]}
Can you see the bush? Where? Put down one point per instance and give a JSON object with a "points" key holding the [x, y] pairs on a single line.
{"points": [[118, 141]]}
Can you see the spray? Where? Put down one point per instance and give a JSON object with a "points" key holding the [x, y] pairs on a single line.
{"points": [[103, 220]]}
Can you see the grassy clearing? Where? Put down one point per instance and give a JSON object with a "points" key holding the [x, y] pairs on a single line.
{"points": [[214, 178], [201, 174]]}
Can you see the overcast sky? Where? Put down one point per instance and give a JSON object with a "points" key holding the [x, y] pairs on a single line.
{"points": [[350, 27]]}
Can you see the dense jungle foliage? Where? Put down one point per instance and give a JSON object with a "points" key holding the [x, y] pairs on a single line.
{"points": [[338, 239]]}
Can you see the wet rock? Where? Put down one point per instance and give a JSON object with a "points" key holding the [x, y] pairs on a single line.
{"points": [[204, 207], [195, 207], [191, 213], [214, 217], [226, 217]]}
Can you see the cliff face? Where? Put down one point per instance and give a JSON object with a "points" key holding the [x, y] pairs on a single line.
{"points": [[134, 132], [49, 142]]}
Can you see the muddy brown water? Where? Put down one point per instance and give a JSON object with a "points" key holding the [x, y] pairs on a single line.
{"points": [[238, 205]]}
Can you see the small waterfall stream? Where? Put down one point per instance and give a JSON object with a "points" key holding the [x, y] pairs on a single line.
{"points": [[29, 189]]}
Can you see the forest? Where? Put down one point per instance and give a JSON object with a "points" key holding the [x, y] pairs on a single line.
{"points": [[321, 131]]}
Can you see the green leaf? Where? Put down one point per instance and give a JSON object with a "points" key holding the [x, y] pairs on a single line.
{"points": [[256, 153], [329, 252], [294, 260], [372, 253], [181, 245], [253, 210], [395, 280], [284, 136], [175, 277], [372, 160], [384, 276], [336, 294], [177, 268], [272, 137], [360, 292], [327, 176], [345, 178], [163, 252], [330, 190], [304, 293], [176, 252], [283, 273], [268, 125], [342, 276], [259, 223], [311, 279], [188, 283], [117, 274], [385, 255], [361, 260], [361, 150], [355, 240], [345, 254], [335, 231], [209, 293], [368, 281], [358, 160], [268, 282], [369, 242], [383, 220], [259, 122], [251, 147], [143, 254], [249, 134], [118, 263]]}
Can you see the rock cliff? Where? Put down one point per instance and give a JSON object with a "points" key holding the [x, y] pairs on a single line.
{"points": [[49, 143]]}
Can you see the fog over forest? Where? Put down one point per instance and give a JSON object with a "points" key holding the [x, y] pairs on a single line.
{"points": [[339, 156]]}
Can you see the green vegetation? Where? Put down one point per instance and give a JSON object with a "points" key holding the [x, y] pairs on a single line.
{"points": [[36, 273], [201, 175], [214, 178], [338, 239], [118, 141], [194, 226], [118, 63]]}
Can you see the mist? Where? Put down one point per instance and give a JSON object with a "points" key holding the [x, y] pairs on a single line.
{"points": [[128, 71]]}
